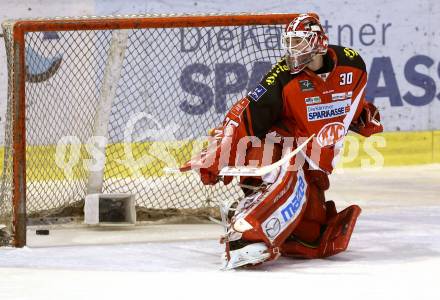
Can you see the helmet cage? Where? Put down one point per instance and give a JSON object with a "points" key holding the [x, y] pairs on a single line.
{"points": [[300, 47]]}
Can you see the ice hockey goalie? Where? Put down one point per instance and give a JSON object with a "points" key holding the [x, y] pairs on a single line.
{"points": [[316, 88]]}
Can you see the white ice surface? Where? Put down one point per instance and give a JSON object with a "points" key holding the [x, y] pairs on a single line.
{"points": [[394, 254]]}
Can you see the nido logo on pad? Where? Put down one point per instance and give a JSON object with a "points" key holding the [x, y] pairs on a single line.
{"points": [[331, 133]]}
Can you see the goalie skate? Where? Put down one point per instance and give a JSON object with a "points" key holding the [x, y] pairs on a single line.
{"points": [[251, 254]]}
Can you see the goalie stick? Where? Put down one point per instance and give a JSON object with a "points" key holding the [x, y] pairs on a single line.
{"points": [[260, 171], [253, 171]]}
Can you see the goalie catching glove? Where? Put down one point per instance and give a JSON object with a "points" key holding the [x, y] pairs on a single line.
{"points": [[368, 122]]}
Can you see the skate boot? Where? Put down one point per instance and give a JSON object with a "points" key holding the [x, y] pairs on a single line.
{"points": [[244, 253]]}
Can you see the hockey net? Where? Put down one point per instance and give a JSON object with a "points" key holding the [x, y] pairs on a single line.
{"points": [[143, 90]]}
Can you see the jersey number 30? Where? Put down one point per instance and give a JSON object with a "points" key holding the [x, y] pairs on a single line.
{"points": [[346, 78]]}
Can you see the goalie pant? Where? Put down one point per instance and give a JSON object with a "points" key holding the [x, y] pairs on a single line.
{"points": [[291, 215]]}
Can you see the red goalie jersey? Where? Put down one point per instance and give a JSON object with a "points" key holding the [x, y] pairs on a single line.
{"points": [[327, 103]]}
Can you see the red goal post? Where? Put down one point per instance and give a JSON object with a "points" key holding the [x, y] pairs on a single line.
{"points": [[34, 90]]}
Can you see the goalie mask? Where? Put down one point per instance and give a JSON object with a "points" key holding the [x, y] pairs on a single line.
{"points": [[303, 38]]}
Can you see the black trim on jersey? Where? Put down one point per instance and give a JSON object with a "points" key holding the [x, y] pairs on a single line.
{"points": [[348, 57], [327, 65], [282, 126], [266, 110], [246, 121]]}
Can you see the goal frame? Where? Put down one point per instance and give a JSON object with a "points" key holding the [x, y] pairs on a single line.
{"points": [[18, 94]]}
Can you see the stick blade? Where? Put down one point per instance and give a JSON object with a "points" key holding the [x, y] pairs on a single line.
{"points": [[242, 171], [260, 171]]}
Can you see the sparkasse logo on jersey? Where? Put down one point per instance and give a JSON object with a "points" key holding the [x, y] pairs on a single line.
{"points": [[328, 111]]}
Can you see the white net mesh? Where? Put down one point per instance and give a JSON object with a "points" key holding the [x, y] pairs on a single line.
{"points": [[173, 85]]}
